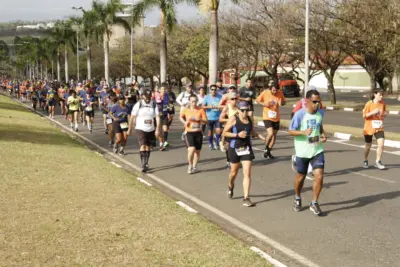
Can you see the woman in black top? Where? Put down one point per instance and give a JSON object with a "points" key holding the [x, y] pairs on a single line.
{"points": [[239, 129]]}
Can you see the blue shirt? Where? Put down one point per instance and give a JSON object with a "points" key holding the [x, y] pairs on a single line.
{"points": [[212, 114], [103, 96], [121, 113], [221, 91]]}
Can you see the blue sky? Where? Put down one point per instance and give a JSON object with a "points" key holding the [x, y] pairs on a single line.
{"points": [[12, 10]]}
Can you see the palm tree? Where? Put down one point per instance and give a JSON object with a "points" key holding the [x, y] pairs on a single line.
{"points": [[212, 7], [105, 16], [167, 22]]}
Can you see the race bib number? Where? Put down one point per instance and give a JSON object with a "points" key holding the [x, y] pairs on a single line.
{"points": [[272, 114], [196, 126], [89, 108], [377, 124], [123, 125], [109, 121], [148, 122], [313, 140], [242, 151]]}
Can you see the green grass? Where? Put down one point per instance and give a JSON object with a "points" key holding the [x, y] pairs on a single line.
{"points": [[63, 205]]}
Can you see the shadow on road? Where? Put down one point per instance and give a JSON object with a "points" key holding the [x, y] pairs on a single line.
{"points": [[361, 201]]}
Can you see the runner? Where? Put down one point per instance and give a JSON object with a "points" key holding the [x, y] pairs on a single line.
{"points": [[91, 101], [210, 104], [192, 117], [239, 129], [225, 97], [144, 116], [166, 118], [229, 111], [73, 109], [112, 100], [61, 92], [271, 100], [201, 95], [307, 129], [374, 114], [183, 101], [103, 98], [51, 102], [247, 93], [220, 89], [35, 98], [120, 114]]}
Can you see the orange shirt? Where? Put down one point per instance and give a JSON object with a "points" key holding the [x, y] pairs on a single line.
{"points": [[374, 123], [271, 113], [194, 117]]}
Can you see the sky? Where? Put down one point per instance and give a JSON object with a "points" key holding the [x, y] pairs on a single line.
{"points": [[41, 10]]}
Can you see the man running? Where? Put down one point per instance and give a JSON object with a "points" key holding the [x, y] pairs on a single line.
{"points": [[210, 104], [220, 89], [183, 101], [271, 100], [248, 93], [239, 130], [307, 129], [192, 118], [120, 114], [144, 116], [374, 114]]}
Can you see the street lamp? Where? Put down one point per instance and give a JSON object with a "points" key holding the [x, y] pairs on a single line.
{"points": [[306, 52]]}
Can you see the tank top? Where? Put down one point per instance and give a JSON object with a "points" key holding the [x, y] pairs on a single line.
{"points": [[232, 112], [237, 142]]}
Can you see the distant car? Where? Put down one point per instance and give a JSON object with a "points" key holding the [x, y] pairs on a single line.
{"points": [[289, 86]]}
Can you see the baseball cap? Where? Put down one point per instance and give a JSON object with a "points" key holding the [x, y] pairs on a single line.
{"points": [[243, 105], [232, 95], [232, 86], [147, 92]]}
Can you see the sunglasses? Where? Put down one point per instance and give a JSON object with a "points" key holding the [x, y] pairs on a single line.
{"points": [[233, 98], [243, 110], [316, 101], [213, 89]]}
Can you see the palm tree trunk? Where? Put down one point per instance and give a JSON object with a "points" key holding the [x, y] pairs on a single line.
{"points": [[163, 49], [89, 60], [46, 76], [58, 65], [41, 70], [106, 59], [66, 64], [52, 69], [213, 54]]}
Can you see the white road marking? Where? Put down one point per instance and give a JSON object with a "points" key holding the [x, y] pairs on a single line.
{"points": [[372, 177], [343, 136], [143, 181], [115, 164], [394, 112], [186, 207], [98, 154], [348, 109], [271, 260]]}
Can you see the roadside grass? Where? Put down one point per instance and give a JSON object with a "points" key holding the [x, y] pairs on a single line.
{"points": [[63, 205]]}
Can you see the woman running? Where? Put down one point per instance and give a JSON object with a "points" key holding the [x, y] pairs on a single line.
{"points": [[89, 111], [73, 109], [51, 102], [120, 114], [239, 130]]}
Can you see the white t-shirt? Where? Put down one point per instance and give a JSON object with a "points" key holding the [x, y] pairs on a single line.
{"points": [[145, 115], [183, 98]]}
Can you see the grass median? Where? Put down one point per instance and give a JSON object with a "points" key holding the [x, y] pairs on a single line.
{"points": [[63, 205]]}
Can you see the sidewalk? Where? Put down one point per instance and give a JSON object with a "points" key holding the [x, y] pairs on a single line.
{"points": [[62, 204]]}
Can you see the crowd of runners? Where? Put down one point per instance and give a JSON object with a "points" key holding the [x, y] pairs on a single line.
{"points": [[224, 117]]}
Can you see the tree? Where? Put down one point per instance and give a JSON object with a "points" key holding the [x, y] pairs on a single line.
{"points": [[167, 22], [212, 7], [105, 15]]}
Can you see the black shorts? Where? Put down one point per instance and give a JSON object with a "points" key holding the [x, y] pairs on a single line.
{"points": [[71, 112], [194, 140], [235, 158], [146, 138], [317, 162], [117, 127], [378, 135], [89, 113], [213, 125], [52, 102], [273, 124], [251, 106], [165, 121]]}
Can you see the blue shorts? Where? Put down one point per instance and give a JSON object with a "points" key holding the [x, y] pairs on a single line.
{"points": [[317, 162], [213, 125]]}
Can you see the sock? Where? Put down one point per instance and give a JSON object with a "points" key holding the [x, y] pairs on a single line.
{"points": [[217, 138], [297, 197], [76, 125], [314, 202], [210, 140], [165, 136], [142, 156]]}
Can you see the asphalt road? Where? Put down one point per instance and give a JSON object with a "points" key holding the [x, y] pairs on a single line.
{"points": [[361, 224]]}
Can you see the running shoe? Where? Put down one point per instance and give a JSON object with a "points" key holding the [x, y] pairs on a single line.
{"points": [[294, 164], [190, 170], [145, 167], [316, 209], [162, 148], [217, 147], [196, 169], [111, 143], [211, 147], [297, 205], [365, 165], [106, 131], [379, 165], [76, 129], [247, 202], [115, 149], [228, 165], [230, 191], [270, 155], [166, 144], [265, 155], [121, 151]]}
